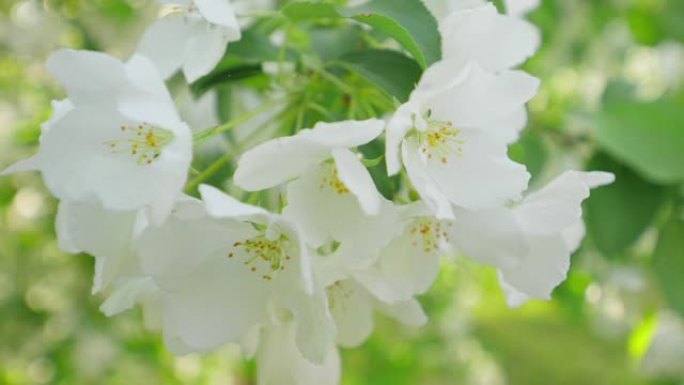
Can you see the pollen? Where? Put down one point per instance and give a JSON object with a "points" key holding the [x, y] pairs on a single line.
{"points": [[144, 143], [440, 140], [428, 234], [263, 256], [332, 180]]}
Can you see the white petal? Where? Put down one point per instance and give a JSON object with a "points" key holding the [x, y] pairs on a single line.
{"points": [[78, 164], [220, 12], [507, 128], [127, 294], [164, 43], [559, 204], [483, 97], [348, 133], [482, 176], [573, 235], [204, 50], [280, 362], [403, 269], [276, 161], [221, 205], [324, 215], [397, 128], [88, 76], [545, 267], [104, 234], [520, 7], [147, 98], [357, 179], [491, 237], [352, 309], [409, 313], [494, 41], [315, 327], [435, 199], [181, 246], [218, 304]]}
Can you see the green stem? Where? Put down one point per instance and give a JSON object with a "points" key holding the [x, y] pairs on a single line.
{"points": [[209, 171], [201, 136], [227, 157]]}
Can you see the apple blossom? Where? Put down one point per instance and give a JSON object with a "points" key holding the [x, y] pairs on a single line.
{"points": [[118, 138], [451, 138], [192, 36]]}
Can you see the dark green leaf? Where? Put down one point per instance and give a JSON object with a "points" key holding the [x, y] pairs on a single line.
{"points": [[669, 262], [332, 42], [409, 22], [393, 72], [647, 137], [617, 214]]}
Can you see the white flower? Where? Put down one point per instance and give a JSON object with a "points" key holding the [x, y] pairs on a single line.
{"points": [[107, 235], [279, 361], [452, 134], [352, 306], [408, 264], [549, 225], [117, 139], [494, 41], [193, 36], [333, 190], [221, 266]]}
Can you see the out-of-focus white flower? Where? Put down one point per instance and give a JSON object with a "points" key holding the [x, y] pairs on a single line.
{"points": [[279, 361], [548, 222], [495, 41], [520, 8], [333, 186], [192, 36], [117, 139], [452, 133], [221, 266]]}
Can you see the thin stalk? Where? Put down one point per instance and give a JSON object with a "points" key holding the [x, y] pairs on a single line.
{"points": [[201, 136]]}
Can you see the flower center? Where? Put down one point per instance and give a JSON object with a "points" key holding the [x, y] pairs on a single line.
{"points": [[142, 142], [332, 181], [428, 234], [439, 140], [263, 255]]}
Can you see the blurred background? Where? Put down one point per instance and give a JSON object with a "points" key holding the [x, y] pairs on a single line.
{"points": [[612, 98]]}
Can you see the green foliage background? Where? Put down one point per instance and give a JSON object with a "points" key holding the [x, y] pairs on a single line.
{"points": [[612, 98]]}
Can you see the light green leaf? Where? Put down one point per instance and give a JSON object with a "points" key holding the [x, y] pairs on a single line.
{"points": [[393, 72], [409, 22], [647, 137], [617, 214], [668, 261]]}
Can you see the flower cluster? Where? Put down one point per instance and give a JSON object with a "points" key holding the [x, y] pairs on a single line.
{"points": [[293, 283]]}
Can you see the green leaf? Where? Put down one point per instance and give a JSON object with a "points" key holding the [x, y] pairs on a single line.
{"points": [[306, 10], [617, 214], [647, 137], [332, 42], [409, 22], [668, 262], [530, 151], [393, 72]]}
